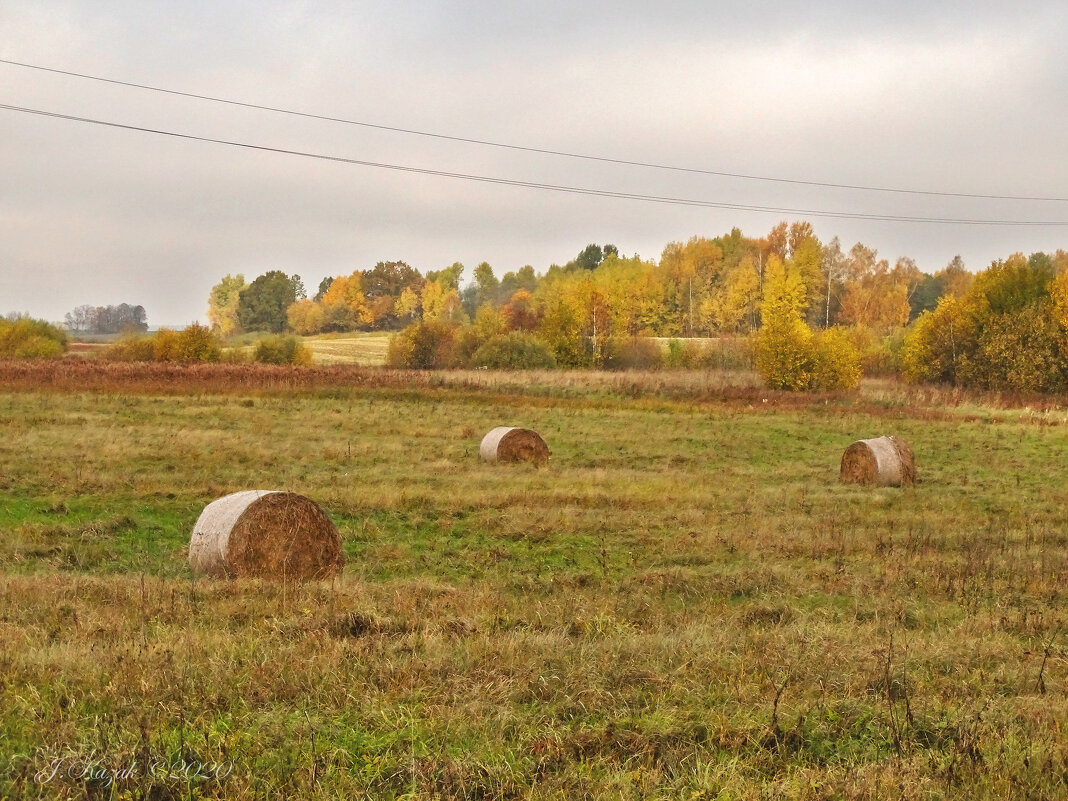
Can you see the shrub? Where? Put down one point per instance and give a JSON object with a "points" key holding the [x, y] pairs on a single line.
{"points": [[1006, 332], [468, 340], [678, 354], [234, 355], [516, 350], [559, 329], [784, 355], [940, 344], [165, 346], [637, 353], [281, 350], [306, 317], [131, 349], [836, 364], [725, 353], [1024, 350], [25, 338], [790, 356], [195, 343], [427, 345], [878, 355]]}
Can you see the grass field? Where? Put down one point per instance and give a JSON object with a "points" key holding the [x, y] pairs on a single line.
{"points": [[364, 349], [684, 604]]}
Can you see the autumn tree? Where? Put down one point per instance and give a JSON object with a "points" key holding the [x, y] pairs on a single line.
{"points": [[223, 303], [489, 322], [736, 303], [1059, 296], [441, 302], [953, 280], [523, 278], [383, 285], [23, 337], [1004, 333], [426, 345], [520, 313], [484, 289], [262, 304], [389, 278], [690, 272], [835, 270], [408, 304], [345, 304], [788, 354], [306, 317], [447, 277], [634, 294], [559, 327], [324, 286], [806, 259], [875, 296]]}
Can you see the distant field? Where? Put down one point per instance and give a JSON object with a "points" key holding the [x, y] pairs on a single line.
{"points": [[685, 604], [364, 349]]}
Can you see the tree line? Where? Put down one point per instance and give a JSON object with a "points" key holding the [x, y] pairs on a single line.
{"points": [[584, 312], [119, 319], [700, 288]]}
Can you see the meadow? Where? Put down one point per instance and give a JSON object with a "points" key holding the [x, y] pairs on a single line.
{"points": [[364, 349], [685, 603]]}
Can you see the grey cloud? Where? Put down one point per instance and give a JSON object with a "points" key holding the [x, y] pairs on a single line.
{"points": [[963, 96]]}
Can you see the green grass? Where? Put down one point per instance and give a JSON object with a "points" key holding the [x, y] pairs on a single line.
{"points": [[619, 624]]}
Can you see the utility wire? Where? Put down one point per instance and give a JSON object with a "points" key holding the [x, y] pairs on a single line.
{"points": [[543, 151], [535, 185]]}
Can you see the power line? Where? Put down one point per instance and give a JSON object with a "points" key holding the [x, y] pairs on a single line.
{"points": [[535, 185], [525, 149]]}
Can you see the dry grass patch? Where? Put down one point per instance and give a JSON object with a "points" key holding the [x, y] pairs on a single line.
{"points": [[687, 604]]}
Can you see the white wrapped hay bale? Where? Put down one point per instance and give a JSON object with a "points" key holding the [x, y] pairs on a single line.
{"points": [[507, 444], [880, 462], [264, 533]]}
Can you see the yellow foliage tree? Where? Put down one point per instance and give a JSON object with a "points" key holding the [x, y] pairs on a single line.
{"points": [[407, 305], [306, 317], [345, 304], [788, 355], [938, 346], [737, 299], [441, 303], [223, 302], [879, 299], [806, 258], [783, 297], [1058, 292]]}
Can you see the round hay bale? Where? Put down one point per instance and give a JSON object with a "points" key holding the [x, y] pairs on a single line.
{"points": [[880, 462], [505, 444], [277, 535]]}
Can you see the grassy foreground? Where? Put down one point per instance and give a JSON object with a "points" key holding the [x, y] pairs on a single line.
{"points": [[684, 604]]}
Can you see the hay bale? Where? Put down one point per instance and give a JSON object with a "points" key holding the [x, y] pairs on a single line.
{"points": [[505, 444], [278, 535], [880, 462]]}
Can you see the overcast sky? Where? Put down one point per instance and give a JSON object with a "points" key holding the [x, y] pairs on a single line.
{"points": [[967, 97]]}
